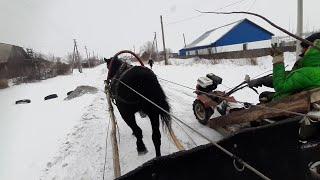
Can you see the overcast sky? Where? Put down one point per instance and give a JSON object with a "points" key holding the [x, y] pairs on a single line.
{"points": [[108, 26]]}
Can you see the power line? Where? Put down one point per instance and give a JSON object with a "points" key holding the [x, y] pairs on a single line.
{"points": [[229, 5], [199, 15], [186, 19], [252, 5]]}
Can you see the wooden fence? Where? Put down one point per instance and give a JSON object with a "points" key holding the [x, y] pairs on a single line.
{"points": [[252, 53]]}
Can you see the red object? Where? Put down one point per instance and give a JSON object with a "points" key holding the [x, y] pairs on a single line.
{"points": [[122, 52], [207, 101]]}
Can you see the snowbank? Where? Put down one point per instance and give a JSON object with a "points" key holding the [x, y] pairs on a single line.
{"points": [[30, 134]]}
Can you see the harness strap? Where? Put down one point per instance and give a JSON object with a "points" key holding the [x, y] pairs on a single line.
{"points": [[124, 69]]}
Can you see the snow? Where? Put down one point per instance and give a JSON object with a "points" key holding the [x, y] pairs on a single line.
{"points": [[30, 133], [59, 139], [213, 35]]}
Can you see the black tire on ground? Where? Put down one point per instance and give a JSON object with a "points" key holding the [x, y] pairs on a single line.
{"points": [[69, 93], [23, 101], [202, 114], [51, 96]]}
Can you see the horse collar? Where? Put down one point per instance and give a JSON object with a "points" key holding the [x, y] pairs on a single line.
{"points": [[124, 68]]}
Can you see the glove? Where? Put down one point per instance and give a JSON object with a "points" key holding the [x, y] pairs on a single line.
{"points": [[277, 55], [255, 83], [317, 43], [265, 80]]}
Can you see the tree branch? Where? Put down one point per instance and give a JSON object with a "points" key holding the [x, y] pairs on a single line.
{"points": [[268, 21]]}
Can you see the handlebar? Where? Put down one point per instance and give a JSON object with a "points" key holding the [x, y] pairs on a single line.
{"points": [[239, 87]]}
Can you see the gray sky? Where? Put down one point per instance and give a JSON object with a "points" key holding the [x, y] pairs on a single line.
{"points": [[108, 26]]}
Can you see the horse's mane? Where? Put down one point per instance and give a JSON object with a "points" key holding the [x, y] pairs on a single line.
{"points": [[116, 64]]}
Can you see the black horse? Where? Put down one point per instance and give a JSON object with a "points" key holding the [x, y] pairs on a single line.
{"points": [[144, 81]]}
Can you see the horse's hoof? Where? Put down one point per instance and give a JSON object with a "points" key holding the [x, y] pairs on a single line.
{"points": [[141, 146], [140, 153], [142, 149]]}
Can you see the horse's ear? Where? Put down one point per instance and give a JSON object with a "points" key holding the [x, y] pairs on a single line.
{"points": [[106, 60]]}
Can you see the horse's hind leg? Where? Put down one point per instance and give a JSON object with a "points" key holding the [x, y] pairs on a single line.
{"points": [[156, 135], [137, 132]]}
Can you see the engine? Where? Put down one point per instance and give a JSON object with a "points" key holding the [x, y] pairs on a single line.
{"points": [[208, 83]]}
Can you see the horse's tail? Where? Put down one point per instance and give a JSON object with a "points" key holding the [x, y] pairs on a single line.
{"points": [[163, 103], [164, 116]]}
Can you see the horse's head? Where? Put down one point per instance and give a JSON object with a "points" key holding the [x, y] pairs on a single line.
{"points": [[114, 66]]}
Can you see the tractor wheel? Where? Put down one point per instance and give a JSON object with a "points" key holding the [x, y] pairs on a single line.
{"points": [[202, 114]]}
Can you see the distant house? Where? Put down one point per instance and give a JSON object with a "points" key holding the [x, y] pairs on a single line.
{"points": [[236, 36], [14, 61], [169, 55]]}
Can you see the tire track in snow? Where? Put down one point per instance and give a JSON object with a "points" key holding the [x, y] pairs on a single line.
{"points": [[181, 100], [82, 154]]}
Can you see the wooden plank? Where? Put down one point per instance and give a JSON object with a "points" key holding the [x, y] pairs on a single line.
{"points": [[315, 95], [297, 103], [114, 143], [229, 130], [224, 132]]}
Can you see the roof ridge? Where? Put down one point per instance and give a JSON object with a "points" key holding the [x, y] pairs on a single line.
{"points": [[207, 33], [238, 21]]}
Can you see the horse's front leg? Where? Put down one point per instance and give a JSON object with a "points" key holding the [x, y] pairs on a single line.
{"points": [[129, 118]]}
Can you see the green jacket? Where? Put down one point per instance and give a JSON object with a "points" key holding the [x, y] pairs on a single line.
{"points": [[305, 76]]}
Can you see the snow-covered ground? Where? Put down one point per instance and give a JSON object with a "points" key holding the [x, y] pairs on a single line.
{"points": [[59, 139]]}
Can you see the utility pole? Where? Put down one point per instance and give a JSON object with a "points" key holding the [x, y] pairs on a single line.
{"points": [[164, 44], [73, 57], [299, 26], [76, 56], [85, 47], [156, 41], [184, 40]]}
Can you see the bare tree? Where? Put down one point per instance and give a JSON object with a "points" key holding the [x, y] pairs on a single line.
{"points": [[69, 58], [50, 57], [148, 51]]}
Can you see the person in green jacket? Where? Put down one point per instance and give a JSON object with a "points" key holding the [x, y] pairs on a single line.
{"points": [[305, 74]]}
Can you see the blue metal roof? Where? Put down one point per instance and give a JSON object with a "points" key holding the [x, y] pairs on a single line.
{"points": [[239, 32]]}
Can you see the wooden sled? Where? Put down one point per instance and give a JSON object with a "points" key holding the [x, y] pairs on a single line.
{"points": [[300, 103]]}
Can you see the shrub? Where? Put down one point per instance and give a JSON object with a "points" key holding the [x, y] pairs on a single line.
{"points": [[3, 83], [62, 68]]}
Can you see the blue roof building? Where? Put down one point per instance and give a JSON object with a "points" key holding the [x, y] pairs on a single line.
{"points": [[236, 36]]}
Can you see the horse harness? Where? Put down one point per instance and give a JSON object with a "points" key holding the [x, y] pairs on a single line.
{"points": [[114, 84]]}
